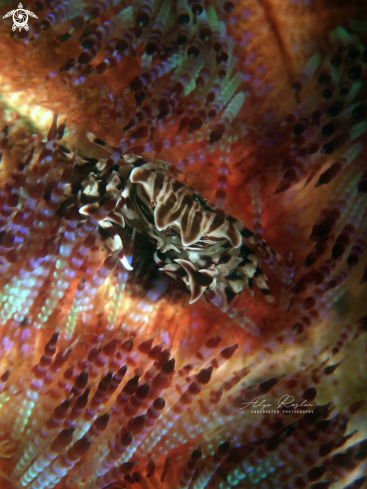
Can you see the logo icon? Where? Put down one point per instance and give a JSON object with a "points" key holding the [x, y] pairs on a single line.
{"points": [[20, 17]]}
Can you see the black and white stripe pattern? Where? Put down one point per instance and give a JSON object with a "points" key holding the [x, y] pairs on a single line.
{"points": [[205, 248]]}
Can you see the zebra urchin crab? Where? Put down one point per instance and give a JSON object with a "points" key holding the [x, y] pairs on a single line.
{"points": [[198, 244]]}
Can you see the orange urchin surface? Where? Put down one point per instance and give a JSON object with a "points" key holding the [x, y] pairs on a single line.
{"points": [[253, 112]]}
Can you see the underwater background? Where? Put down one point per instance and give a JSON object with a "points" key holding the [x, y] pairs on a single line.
{"points": [[183, 234]]}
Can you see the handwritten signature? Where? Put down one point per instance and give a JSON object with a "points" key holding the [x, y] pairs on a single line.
{"points": [[286, 401]]}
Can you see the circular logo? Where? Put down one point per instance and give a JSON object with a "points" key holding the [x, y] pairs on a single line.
{"points": [[20, 17]]}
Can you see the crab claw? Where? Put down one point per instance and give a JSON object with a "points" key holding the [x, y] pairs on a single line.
{"points": [[199, 280]]}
